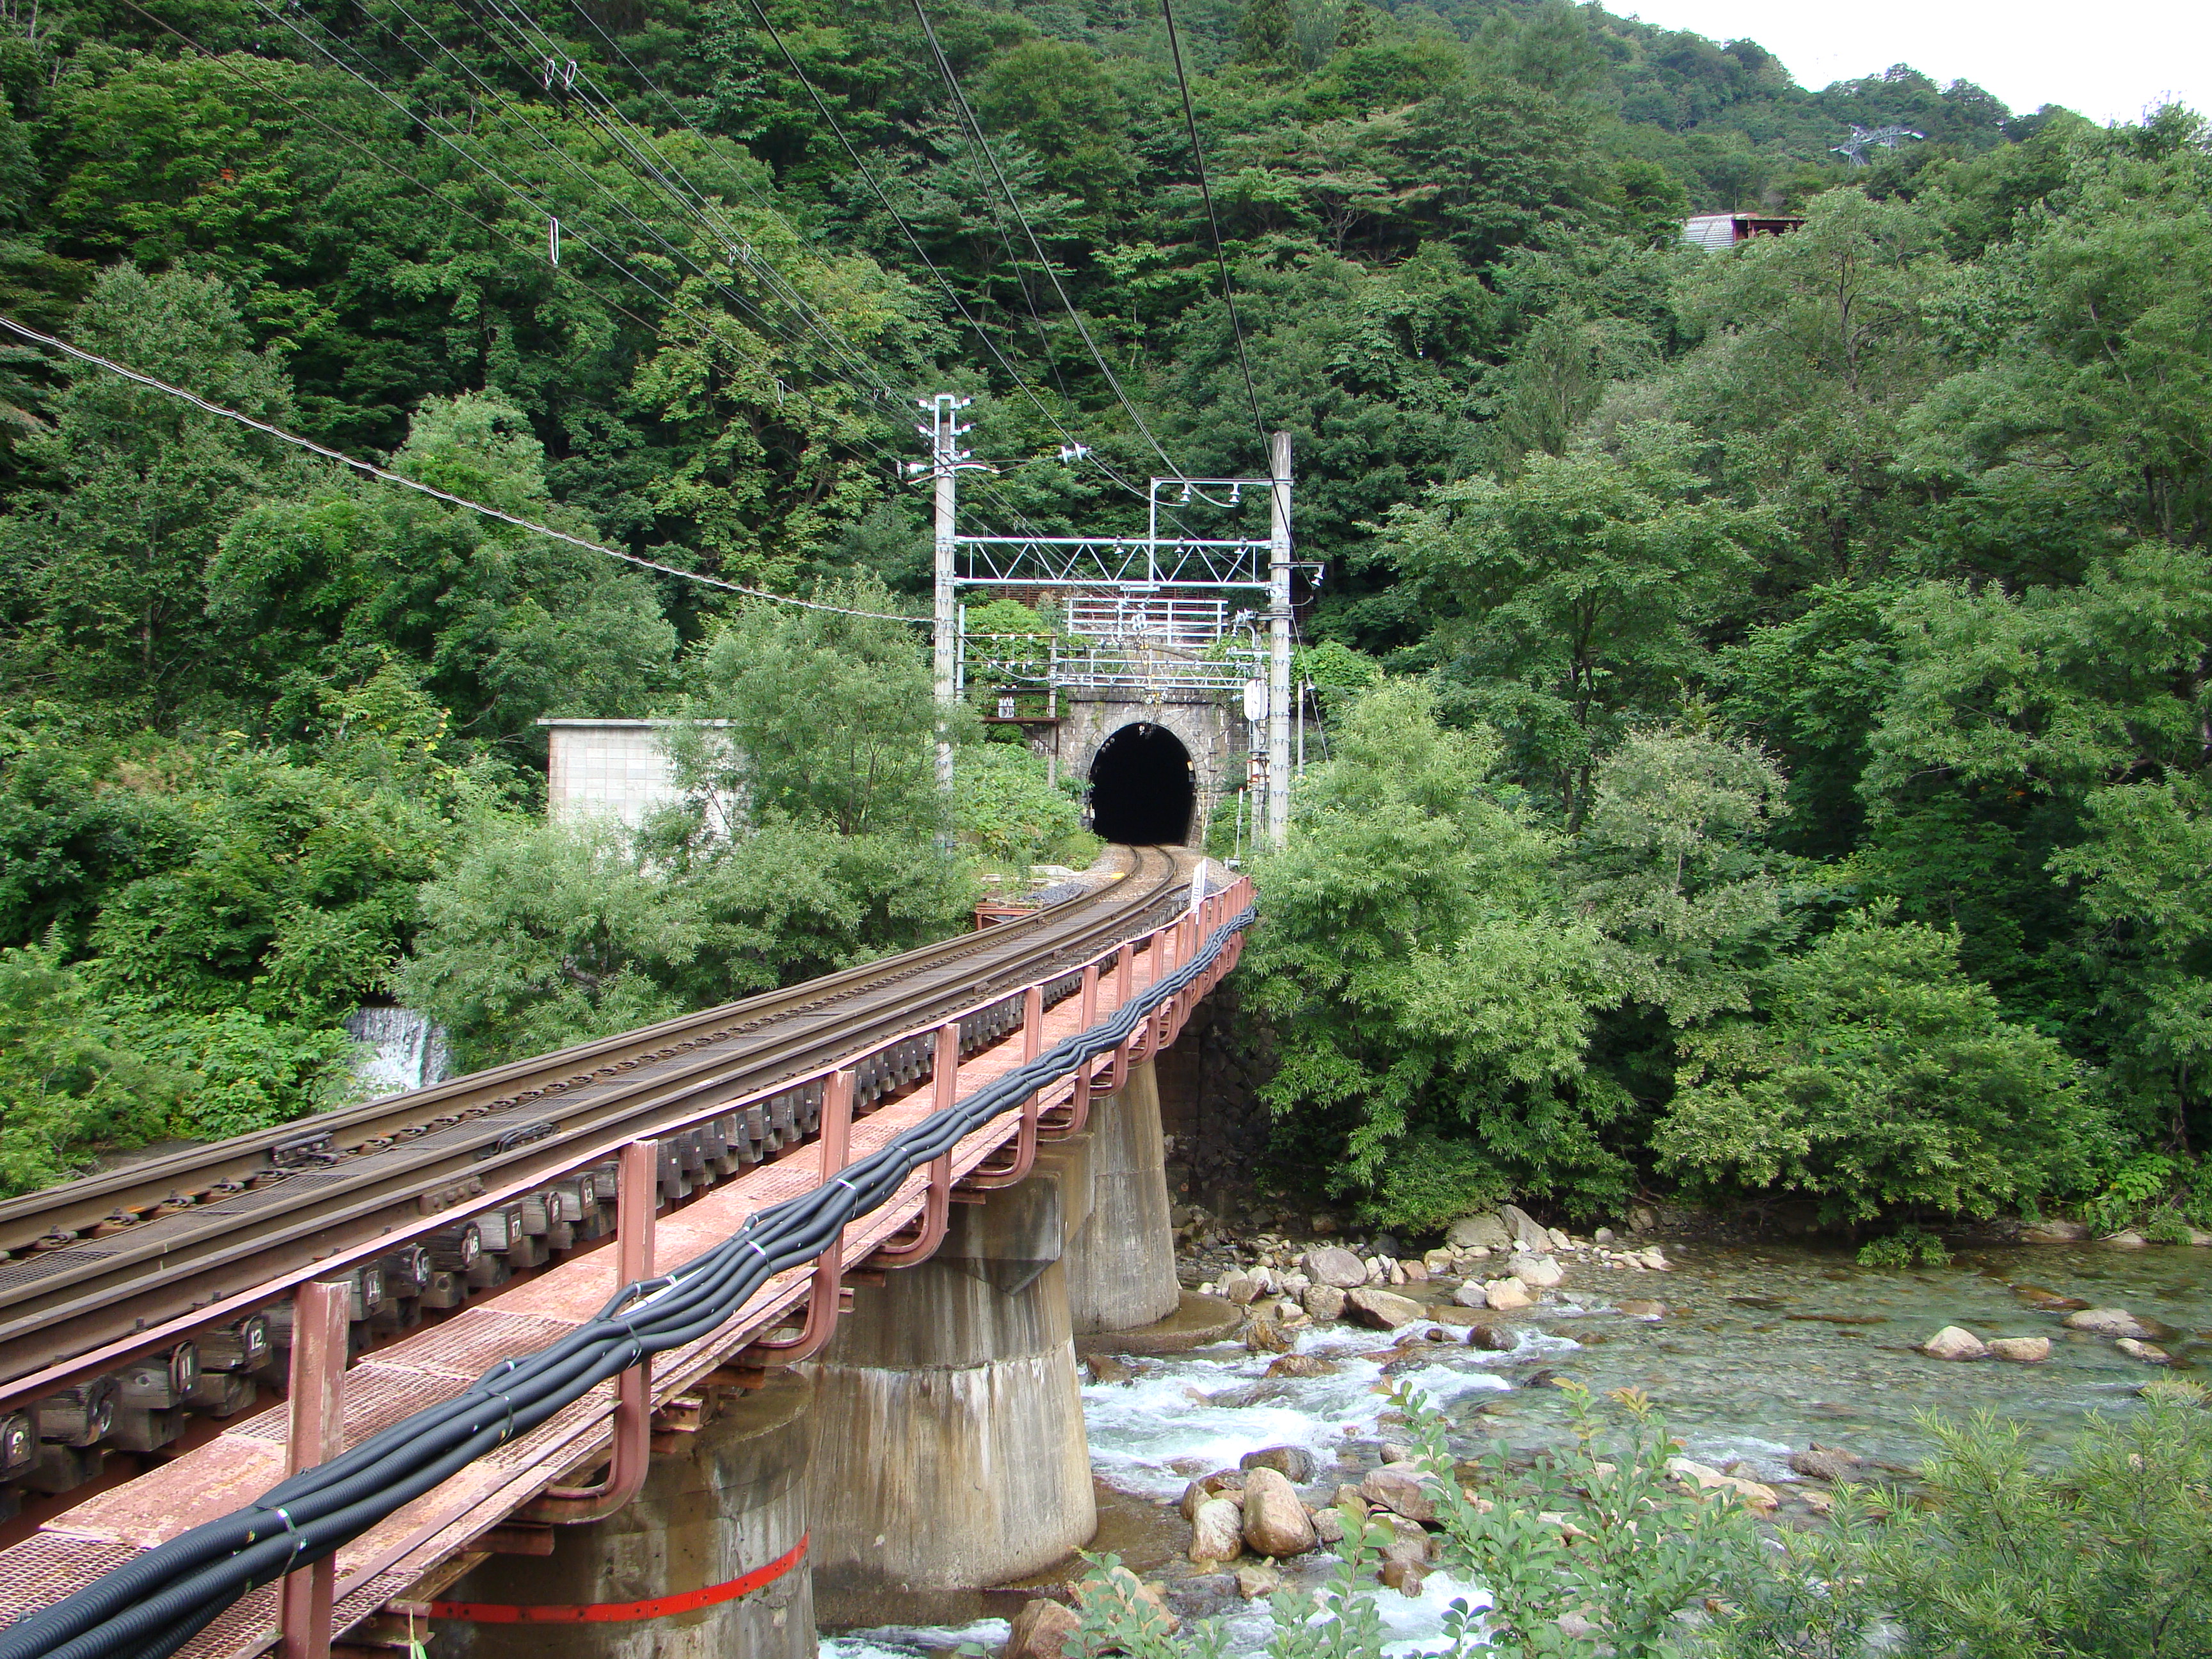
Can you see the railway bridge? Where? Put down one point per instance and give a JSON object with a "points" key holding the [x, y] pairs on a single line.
{"points": [[637, 1348]]}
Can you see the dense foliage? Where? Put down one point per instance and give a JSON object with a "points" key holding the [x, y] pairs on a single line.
{"points": [[1812, 639]]}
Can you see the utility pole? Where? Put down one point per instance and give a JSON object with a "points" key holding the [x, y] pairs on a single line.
{"points": [[945, 460], [1278, 640]]}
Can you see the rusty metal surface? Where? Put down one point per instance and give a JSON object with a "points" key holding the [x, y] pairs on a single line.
{"points": [[438, 1363]]}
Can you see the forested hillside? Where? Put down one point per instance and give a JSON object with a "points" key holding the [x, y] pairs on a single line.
{"points": [[1788, 756]]}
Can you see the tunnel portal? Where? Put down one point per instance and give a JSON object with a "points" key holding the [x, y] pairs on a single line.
{"points": [[1141, 791]]}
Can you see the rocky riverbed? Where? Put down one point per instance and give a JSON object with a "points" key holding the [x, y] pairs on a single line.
{"points": [[1781, 1368]]}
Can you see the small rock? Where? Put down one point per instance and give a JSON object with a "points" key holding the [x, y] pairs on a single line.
{"points": [[1216, 1531], [1395, 1451], [1953, 1342], [1328, 1525], [1538, 1273], [1559, 1239], [1527, 1232], [1146, 1601], [1322, 1301], [1828, 1463], [1491, 1337], [1471, 1295], [1437, 1261], [2054, 1233], [1604, 1235], [1380, 1310], [1301, 1364], [1400, 1491], [1760, 1497], [1331, 1265], [1470, 1231], [1653, 1257], [1405, 1576], [1238, 1287], [1413, 1272], [1638, 1308], [1264, 1335], [1275, 1523], [1814, 1499], [1643, 1219], [1506, 1294], [2107, 1321], [2127, 1239], [2149, 1353], [1348, 1499], [2020, 1350], [1252, 1582], [1108, 1368], [1408, 1543], [1040, 1631], [1294, 1464]]}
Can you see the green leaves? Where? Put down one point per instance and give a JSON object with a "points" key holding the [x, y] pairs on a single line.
{"points": [[1879, 1076]]}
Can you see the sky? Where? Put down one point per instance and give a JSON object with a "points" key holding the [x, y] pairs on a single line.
{"points": [[2110, 61]]}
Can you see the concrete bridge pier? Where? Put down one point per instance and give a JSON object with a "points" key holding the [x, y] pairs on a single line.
{"points": [[1121, 1265], [731, 1499], [949, 1446]]}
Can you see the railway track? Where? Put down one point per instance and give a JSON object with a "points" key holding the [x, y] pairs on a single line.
{"points": [[91, 1263]]}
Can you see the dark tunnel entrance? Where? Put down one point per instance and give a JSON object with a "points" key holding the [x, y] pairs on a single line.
{"points": [[1140, 788]]}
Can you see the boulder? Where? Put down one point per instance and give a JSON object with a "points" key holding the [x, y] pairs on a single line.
{"points": [[1109, 1368], [1638, 1308], [1239, 1287], [1653, 1257], [1264, 1335], [1408, 1543], [1322, 1301], [1538, 1273], [1330, 1265], [1301, 1364], [1294, 1464], [1760, 1496], [1953, 1342], [1527, 1232], [2054, 1233], [1413, 1272], [2020, 1350], [1470, 1295], [2149, 1354], [1604, 1235], [1216, 1531], [1471, 1230], [1507, 1294], [1491, 1337], [1643, 1219], [1146, 1601], [2198, 1237], [1404, 1576], [1437, 1261], [1275, 1521], [1328, 1525], [1383, 1310], [1041, 1630], [2127, 1239], [1252, 1582], [1400, 1489], [1559, 1239], [1222, 1483], [1828, 1463], [2107, 1321]]}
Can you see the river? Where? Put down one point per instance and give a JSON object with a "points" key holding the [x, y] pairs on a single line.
{"points": [[1762, 1351]]}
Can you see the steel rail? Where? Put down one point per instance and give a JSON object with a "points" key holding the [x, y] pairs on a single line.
{"points": [[224, 1217], [155, 1603]]}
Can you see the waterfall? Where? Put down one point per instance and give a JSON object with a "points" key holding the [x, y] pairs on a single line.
{"points": [[401, 1050]]}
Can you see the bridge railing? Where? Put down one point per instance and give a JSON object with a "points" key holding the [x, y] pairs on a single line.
{"points": [[1211, 927]]}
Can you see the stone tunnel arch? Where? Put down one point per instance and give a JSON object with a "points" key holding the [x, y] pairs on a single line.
{"points": [[1143, 790]]}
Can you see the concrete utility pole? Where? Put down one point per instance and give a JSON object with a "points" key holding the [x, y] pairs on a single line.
{"points": [[1278, 640], [945, 456]]}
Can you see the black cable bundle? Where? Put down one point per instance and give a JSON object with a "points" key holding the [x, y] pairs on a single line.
{"points": [[151, 1607]]}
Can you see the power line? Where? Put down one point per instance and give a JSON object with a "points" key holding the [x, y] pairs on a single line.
{"points": [[1206, 192], [983, 145], [403, 482]]}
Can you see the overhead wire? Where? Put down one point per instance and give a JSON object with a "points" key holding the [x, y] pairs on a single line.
{"points": [[371, 470], [983, 146]]}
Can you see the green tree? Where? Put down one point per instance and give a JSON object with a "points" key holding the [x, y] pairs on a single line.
{"points": [[1576, 594], [1880, 1077], [1429, 987]]}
